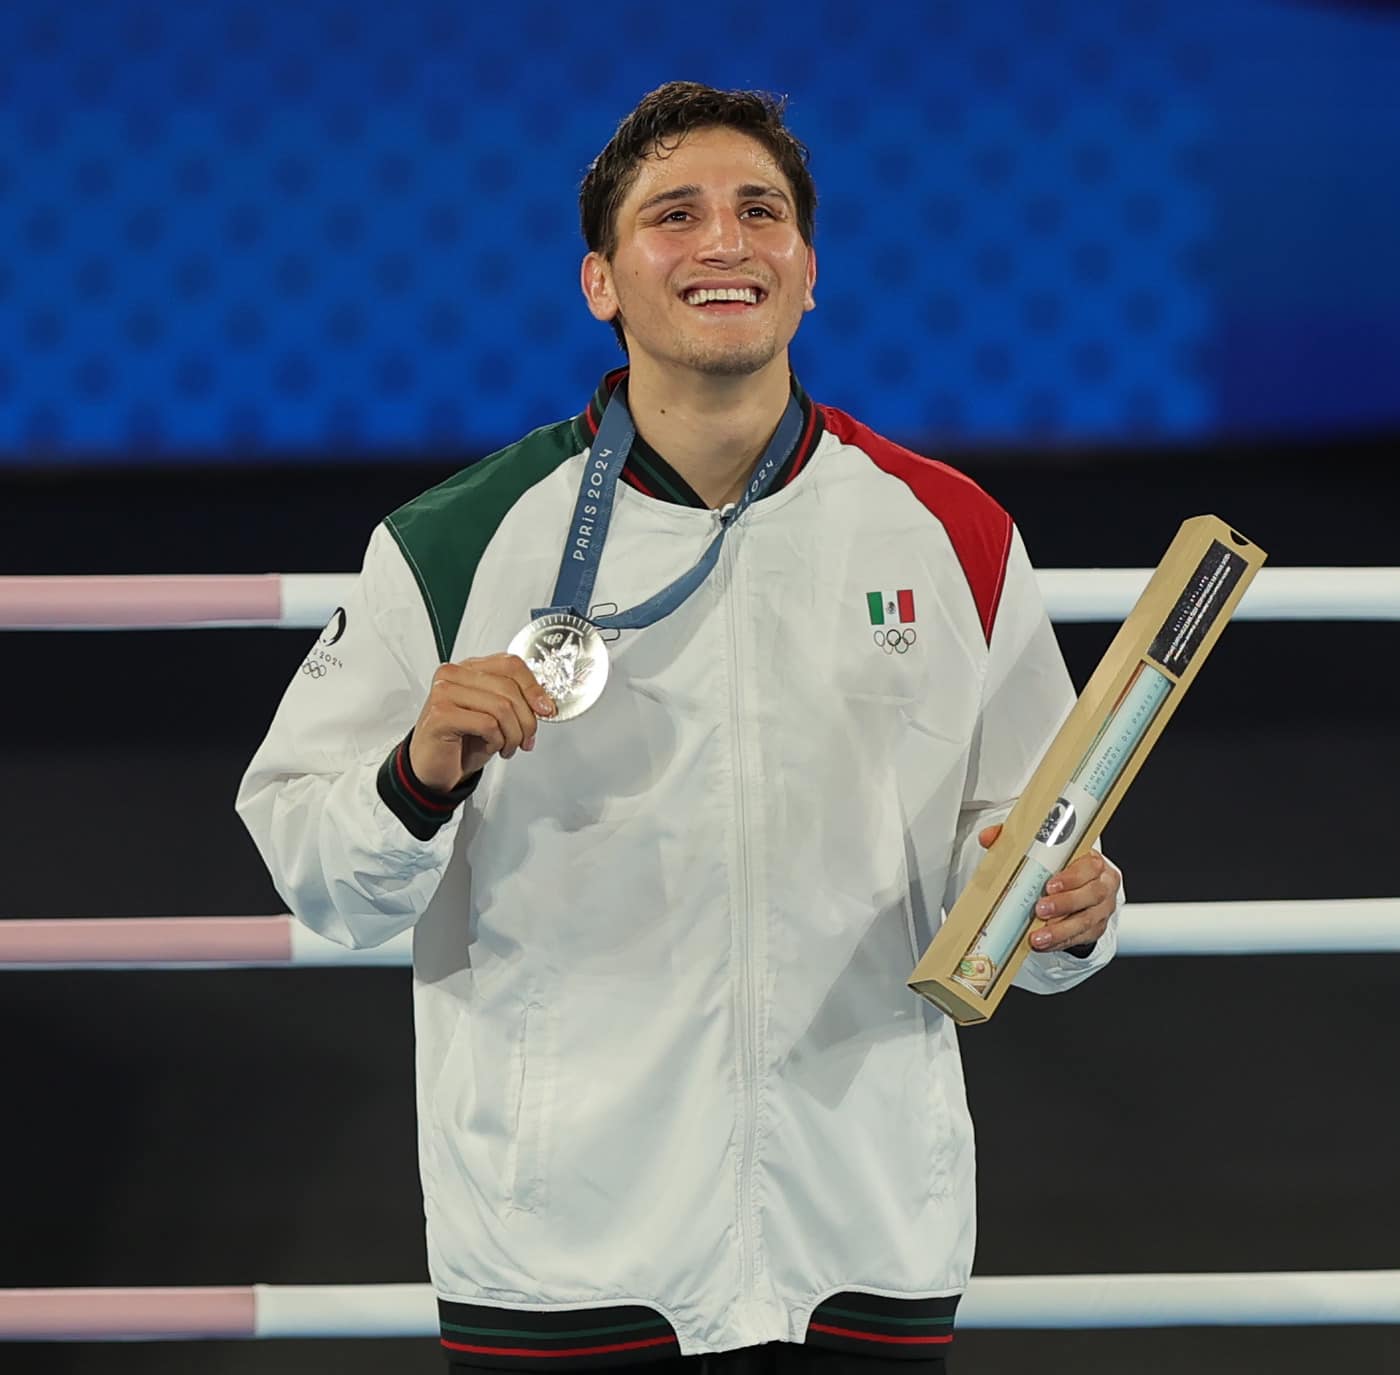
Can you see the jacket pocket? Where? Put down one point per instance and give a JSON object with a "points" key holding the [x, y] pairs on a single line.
{"points": [[532, 1090], [490, 1108]]}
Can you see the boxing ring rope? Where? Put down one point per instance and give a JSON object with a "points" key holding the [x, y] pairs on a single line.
{"points": [[1325, 927], [307, 601], [292, 601], [1281, 1299]]}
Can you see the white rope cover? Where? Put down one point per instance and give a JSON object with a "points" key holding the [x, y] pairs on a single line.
{"points": [[1330, 926], [1281, 1299], [1276, 594], [307, 600]]}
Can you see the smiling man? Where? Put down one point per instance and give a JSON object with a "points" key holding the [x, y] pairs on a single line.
{"points": [[676, 1102], [701, 257]]}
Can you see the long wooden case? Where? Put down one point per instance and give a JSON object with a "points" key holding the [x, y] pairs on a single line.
{"points": [[1086, 771]]}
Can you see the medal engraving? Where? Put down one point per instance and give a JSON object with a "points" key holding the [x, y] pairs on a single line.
{"points": [[570, 660]]}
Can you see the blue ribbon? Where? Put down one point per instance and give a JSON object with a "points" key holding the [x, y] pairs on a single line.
{"points": [[578, 569]]}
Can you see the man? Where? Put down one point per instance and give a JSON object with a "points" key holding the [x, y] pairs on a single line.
{"points": [[674, 1095]]}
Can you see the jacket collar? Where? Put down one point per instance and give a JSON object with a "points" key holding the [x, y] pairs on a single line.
{"points": [[648, 471]]}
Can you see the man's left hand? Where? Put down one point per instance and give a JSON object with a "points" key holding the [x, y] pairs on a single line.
{"points": [[1078, 901]]}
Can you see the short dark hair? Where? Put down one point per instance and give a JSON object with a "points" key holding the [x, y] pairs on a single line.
{"points": [[661, 121]]}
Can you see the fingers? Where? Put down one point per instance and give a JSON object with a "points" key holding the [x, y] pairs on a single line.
{"points": [[1082, 872], [506, 675], [1078, 903], [476, 709], [518, 671], [490, 707], [483, 725]]}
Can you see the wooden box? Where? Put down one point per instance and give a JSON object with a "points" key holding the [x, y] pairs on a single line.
{"points": [[1139, 682]]}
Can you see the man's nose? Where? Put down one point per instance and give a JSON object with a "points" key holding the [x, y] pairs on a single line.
{"points": [[725, 239]]}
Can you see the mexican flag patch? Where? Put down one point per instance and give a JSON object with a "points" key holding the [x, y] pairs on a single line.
{"points": [[891, 608]]}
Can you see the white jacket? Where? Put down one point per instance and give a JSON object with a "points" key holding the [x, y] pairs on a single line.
{"points": [[666, 1057]]}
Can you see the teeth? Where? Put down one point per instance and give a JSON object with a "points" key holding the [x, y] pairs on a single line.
{"points": [[704, 295]]}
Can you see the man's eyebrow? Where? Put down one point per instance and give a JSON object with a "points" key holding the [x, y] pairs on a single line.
{"points": [[676, 193], [754, 190], [749, 191]]}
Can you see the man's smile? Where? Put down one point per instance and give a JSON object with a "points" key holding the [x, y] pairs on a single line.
{"points": [[724, 299]]}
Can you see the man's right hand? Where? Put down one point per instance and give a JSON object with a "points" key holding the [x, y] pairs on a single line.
{"points": [[475, 709]]}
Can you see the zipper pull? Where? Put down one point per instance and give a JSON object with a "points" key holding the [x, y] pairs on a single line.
{"points": [[726, 515]]}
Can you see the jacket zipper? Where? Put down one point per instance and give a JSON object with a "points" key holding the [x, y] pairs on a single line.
{"points": [[745, 1013]]}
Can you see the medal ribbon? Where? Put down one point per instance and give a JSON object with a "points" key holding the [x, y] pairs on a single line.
{"points": [[578, 569]]}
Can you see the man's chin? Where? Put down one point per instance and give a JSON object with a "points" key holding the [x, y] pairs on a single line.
{"points": [[732, 362]]}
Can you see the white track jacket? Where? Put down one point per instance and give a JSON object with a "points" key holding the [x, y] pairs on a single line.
{"points": [[673, 1092]]}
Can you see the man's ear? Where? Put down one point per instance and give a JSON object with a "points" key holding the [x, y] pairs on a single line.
{"points": [[595, 277], [810, 302]]}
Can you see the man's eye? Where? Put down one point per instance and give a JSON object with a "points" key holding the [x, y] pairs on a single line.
{"points": [[762, 210], [671, 215]]}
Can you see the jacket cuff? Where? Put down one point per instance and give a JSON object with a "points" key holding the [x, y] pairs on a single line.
{"points": [[423, 810]]}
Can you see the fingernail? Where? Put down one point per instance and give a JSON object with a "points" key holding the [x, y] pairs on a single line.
{"points": [[1044, 907], [1041, 939], [1054, 886], [528, 744], [544, 706]]}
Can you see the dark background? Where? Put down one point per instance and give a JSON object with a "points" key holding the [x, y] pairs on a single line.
{"points": [[339, 228], [1171, 1115]]}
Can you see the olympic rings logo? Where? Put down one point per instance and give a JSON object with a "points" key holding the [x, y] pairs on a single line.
{"points": [[315, 668], [896, 641]]}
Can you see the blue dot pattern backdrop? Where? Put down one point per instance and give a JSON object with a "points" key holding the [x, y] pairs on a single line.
{"points": [[337, 229]]}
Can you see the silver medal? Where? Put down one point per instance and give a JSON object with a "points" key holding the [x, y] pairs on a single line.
{"points": [[569, 658]]}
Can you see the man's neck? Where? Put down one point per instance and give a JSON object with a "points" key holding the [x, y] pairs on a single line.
{"points": [[711, 430]]}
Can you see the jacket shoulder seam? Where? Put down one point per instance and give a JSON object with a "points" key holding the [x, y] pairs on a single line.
{"points": [[423, 586], [444, 532], [978, 527]]}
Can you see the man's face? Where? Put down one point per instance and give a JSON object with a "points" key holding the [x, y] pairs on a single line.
{"points": [[714, 215]]}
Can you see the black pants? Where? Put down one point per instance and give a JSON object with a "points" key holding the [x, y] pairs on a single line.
{"points": [[774, 1358]]}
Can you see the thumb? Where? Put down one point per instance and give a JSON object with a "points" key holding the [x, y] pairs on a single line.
{"points": [[987, 836]]}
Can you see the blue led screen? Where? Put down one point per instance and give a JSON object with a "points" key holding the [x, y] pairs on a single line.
{"points": [[331, 230]]}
